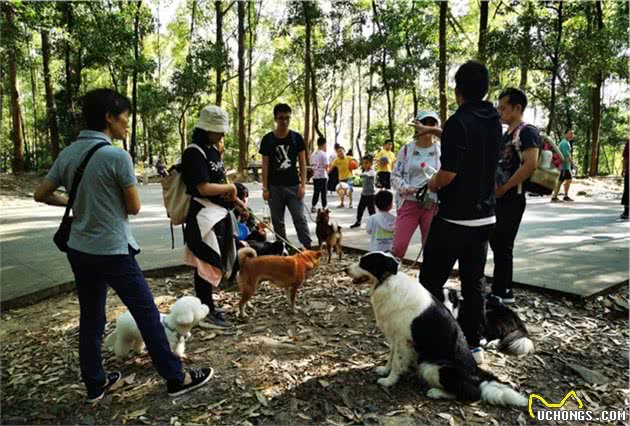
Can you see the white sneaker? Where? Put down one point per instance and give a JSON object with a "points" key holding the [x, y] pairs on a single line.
{"points": [[477, 354]]}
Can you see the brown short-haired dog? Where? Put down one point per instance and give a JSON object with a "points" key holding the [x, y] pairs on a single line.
{"points": [[288, 272], [328, 233]]}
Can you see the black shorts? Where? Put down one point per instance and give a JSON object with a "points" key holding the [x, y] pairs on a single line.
{"points": [[565, 175]]}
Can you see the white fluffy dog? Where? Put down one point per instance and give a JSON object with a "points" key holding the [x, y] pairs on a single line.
{"points": [[185, 314]]}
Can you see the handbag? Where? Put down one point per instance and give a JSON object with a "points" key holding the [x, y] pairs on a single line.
{"points": [[62, 235]]}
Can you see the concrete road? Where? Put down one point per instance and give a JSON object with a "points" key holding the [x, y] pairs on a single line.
{"points": [[578, 248]]}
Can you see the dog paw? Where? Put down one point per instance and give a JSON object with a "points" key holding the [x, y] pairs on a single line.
{"points": [[387, 381], [382, 371], [437, 393]]}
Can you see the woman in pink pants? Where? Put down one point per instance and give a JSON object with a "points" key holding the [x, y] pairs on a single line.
{"points": [[416, 163]]}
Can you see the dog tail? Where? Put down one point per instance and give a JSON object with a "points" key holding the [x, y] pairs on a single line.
{"points": [[516, 343], [246, 253], [501, 394]]}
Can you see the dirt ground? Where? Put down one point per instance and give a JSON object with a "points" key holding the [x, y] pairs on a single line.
{"points": [[313, 367]]}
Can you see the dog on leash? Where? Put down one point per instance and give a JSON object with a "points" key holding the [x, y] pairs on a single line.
{"points": [[500, 323], [185, 313], [328, 233], [423, 334], [287, 272]]}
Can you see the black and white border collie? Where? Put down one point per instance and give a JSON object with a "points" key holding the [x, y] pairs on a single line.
{"points": [[422, 333]]}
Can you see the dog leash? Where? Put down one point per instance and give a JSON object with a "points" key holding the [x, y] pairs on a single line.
{"points": [[423, 244], [274, 232]]}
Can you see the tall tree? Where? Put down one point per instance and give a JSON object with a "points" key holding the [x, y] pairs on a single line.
{"points": [[134, 87], [442, 62], [483, 30], [596, 96], [555, 63], [306, 6], [16, 113], [218, 6], [242, 142], [51, 108]]}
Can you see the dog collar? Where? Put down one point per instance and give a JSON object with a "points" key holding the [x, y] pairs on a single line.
{"points": [[168, 327], [385, 277]]}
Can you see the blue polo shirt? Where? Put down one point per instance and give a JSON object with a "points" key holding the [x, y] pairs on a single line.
{"points": [[100, 224]]}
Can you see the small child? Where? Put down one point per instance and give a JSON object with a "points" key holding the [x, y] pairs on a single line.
{"points": [[319, 163], [367, 194], [381, 225]]}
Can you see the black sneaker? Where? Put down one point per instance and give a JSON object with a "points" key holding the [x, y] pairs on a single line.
{"points": [[355, 225], [111, 378], [567, 198], [217, 320], [508, 297], [199, 377]]}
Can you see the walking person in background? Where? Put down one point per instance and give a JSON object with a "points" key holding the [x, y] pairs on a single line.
{"points": [[283, 186], [567, 162], [517, 162], [211, 209], [101, 248], [319, 163], [385, 162], [417, 161], [465, 185], [367, 192], [624, 173]]}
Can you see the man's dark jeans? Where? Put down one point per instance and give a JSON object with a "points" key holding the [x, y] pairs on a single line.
{"points": [[92, 274], [509, 212], [446, 244], [281, 197]]}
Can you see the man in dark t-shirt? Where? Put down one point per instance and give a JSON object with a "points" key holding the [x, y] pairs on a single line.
{"points": [[283, 187], [517, 162]]}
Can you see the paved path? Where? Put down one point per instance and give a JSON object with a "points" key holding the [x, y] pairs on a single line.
{"points": [[576, 248]]}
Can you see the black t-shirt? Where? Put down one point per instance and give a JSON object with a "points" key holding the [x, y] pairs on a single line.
{"points": [[509, 160], [283, 155], [197, 169], [470, 148]]}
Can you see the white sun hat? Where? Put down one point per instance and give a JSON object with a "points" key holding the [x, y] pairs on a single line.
{"points": [[428, 114], [213, 119]]}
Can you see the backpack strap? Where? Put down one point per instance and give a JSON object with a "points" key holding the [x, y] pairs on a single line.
{"points": [[516, 141], [78, 174], [197, 147]]}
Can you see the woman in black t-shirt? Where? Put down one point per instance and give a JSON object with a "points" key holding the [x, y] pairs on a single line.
{"points": [[210, 226]]}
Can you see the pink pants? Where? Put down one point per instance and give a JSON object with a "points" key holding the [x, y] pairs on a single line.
{"points": [[408, 217]]}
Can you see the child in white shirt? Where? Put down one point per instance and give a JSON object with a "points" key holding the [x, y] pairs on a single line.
{"points": [[381, 225]]}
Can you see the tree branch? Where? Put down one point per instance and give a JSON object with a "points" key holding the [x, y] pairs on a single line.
{"points": [[279, 94]]}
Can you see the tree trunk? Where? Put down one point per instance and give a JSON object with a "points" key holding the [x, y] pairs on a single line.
{"points": [[134, 87], [51, 108], [586, 160], [242, 142], [69, 87], [16, 114], [35, 140], [307, 76], [360, 110], [525, 47], [369, 106], [554, 71], [442, 62], [219, 43], [483, 30], [596, 100], [352, 117], [250, 54]]}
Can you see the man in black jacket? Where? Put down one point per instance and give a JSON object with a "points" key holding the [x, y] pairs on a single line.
{"points": [[466, 189]]}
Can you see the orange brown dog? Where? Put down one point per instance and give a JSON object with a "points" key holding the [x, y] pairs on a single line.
{"points": [[328, 233], [287, 272]]}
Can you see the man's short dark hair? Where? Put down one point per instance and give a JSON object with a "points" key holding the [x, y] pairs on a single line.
{"points": [[472, 81], [97, 103], [338, 147], [321, 141], [383, 199], [568, 130], [368, 157], [280, 108], [515, 97], [387, 141]]}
